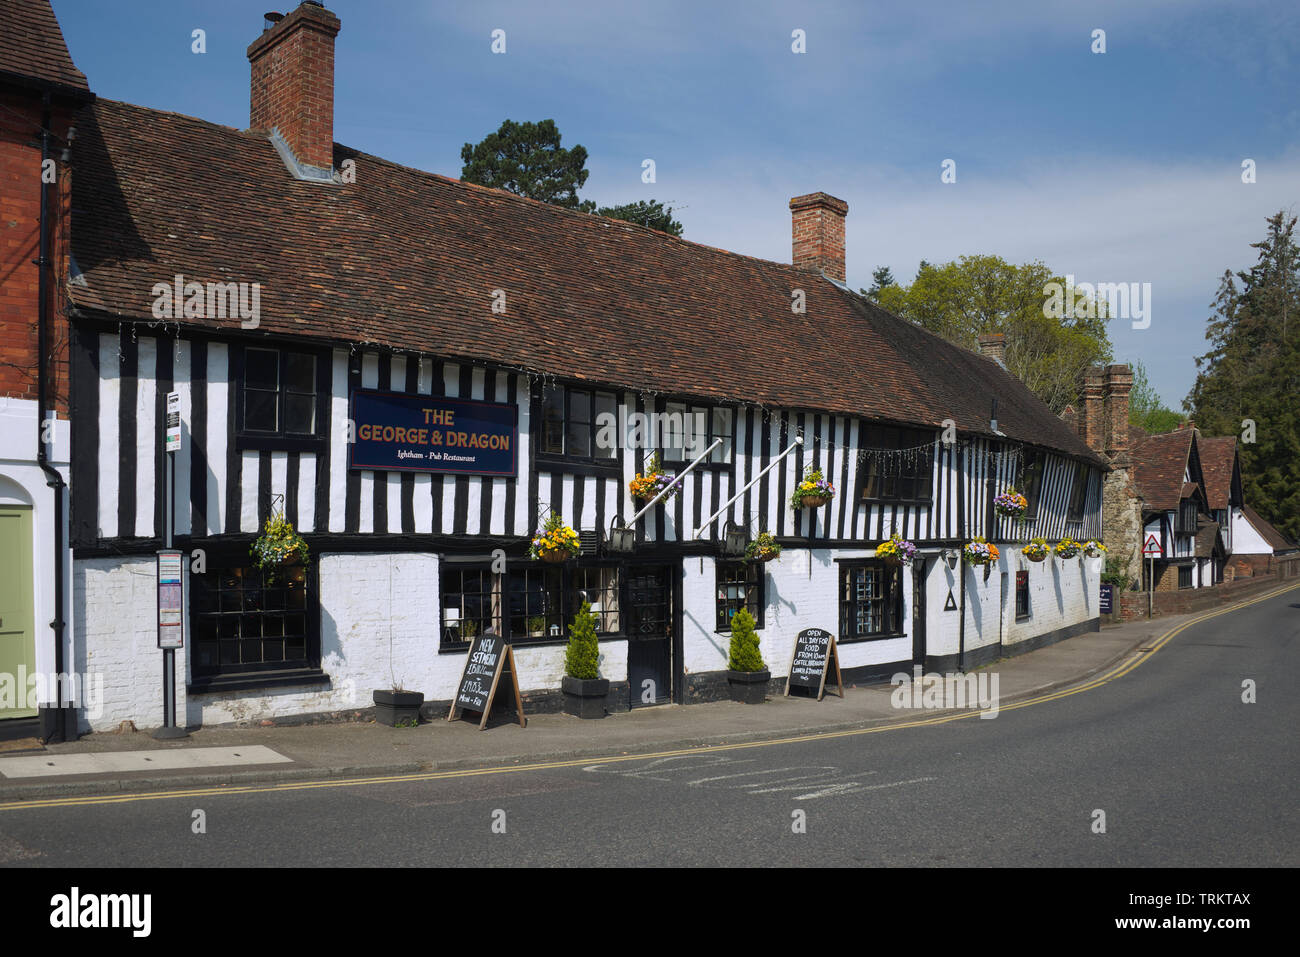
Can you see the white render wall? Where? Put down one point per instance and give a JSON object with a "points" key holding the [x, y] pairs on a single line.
{"points": [[1246, 539]]}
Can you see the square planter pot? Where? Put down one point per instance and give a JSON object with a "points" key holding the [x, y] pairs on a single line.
{"points": [[748, 687], [585, 697], [397, 707]]}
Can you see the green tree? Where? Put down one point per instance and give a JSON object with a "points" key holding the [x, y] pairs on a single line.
{"points": [[1249, 378], [582, 657], [983, 294], [645, 213], [1146, 409], [880, 278], [744, 644], [527, 159]]}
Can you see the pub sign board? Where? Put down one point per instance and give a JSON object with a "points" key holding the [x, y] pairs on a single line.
{"points": [[814, 652], [402, 432]]}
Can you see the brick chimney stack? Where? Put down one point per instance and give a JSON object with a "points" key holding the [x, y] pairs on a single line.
{"points": [[1119, 383], [993, 345], [293, 84], [1092, 421], [817, 222]]}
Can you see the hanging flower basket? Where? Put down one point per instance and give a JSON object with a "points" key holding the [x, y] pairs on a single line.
{"points": [[1037, 550], [1093, 548], [278, 546], [653, 481], [1068, 548], [896, 551], [814, 491], [1010, 504], [763, 548], [555, 542], [979, 552]]}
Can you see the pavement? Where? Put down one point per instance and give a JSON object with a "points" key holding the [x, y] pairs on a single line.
{"points": [[131, 762]]}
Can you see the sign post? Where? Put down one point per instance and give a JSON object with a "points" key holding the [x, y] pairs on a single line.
{"points": [[171, 577], [1151, 548]]}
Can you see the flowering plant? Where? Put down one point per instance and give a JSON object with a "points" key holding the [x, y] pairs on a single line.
{"points": [[1093, 548], [763, 548], [1067, 547], [897, 549], [1036, 550], [1010, 504], [646, 486], [278, 545], [979, 552], [555, 541], [813, 491]]}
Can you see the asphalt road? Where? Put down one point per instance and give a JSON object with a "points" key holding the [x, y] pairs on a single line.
{"points": [[1186, 773]]}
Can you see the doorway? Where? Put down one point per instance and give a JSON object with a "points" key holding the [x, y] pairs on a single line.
{"points": [[918, 611], [651, 627], [17, 629]]}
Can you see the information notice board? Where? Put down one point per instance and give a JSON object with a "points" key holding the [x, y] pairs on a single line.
{"points": [[814, 654], [490, 659]]}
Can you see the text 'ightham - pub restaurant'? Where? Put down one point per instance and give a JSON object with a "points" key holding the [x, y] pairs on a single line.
{"points": [[419, 373]]}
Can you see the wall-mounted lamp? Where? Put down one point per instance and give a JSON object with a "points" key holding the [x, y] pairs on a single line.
{"points": [[950, 556], [734, 539], [621, 539]]}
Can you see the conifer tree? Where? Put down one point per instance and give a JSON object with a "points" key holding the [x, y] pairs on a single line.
{"points": [[582, 657], [744, 644]]}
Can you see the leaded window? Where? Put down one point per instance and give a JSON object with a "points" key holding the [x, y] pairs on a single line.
{"points": [[250, 620], [739, 585], [871, 600]]}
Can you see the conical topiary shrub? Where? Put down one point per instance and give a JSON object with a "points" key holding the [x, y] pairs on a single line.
{"points": [[744, 644], [582, 658]]}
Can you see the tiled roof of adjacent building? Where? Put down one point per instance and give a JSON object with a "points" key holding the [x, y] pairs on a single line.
{"points": [[1207, 536], [410, 260], [32, 50], [1270, 534], [1159, 464], [1217, 457]]}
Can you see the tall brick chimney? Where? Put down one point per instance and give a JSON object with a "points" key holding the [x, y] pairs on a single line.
{"points": [[817, 222], [1092, 421], [1119, 383], [993, 345], [293, 85]]}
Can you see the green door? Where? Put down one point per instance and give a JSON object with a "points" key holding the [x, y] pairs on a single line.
{"points": [[17, 633]]}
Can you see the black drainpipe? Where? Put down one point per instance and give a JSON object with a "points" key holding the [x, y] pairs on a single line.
{"points": [[58, 723]]}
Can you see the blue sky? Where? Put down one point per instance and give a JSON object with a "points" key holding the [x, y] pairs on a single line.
{"points": [[1123, 166]]}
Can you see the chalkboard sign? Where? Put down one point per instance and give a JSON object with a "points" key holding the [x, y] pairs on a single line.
{"points": [[488, 661], [814, 653]]}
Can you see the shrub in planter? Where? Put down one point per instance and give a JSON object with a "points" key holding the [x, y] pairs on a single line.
{"points": [[763, 548], [555, 541], [653, 481], [747, 675], [585, 692], [1068, 548], [814, 491], [278, 545], [896, 551], [1036, 550], [1010, 504]]}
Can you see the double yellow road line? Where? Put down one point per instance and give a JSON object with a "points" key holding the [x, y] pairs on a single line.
{"points": [[1118, 671]]}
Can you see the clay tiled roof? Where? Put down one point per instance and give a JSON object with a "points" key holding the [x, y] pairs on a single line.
{"points": [[1217, 458], [409, 259], [1159, 464], [1207, 537], [32, 51], [1270, 534]]}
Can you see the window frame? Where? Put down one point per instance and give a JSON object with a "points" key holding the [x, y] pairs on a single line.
{"points": [[1186, 508], [501, 618], [1035, 463], [1185, 570], [871, 436], [203, 678], [280, 440], [1078, 494], [589, 464], [711, 432], [893, 606], [758, 587]]}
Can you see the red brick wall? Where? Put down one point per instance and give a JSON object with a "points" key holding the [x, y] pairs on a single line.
{"points": [[293, 83], [20, 208], [1134, 604]]}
